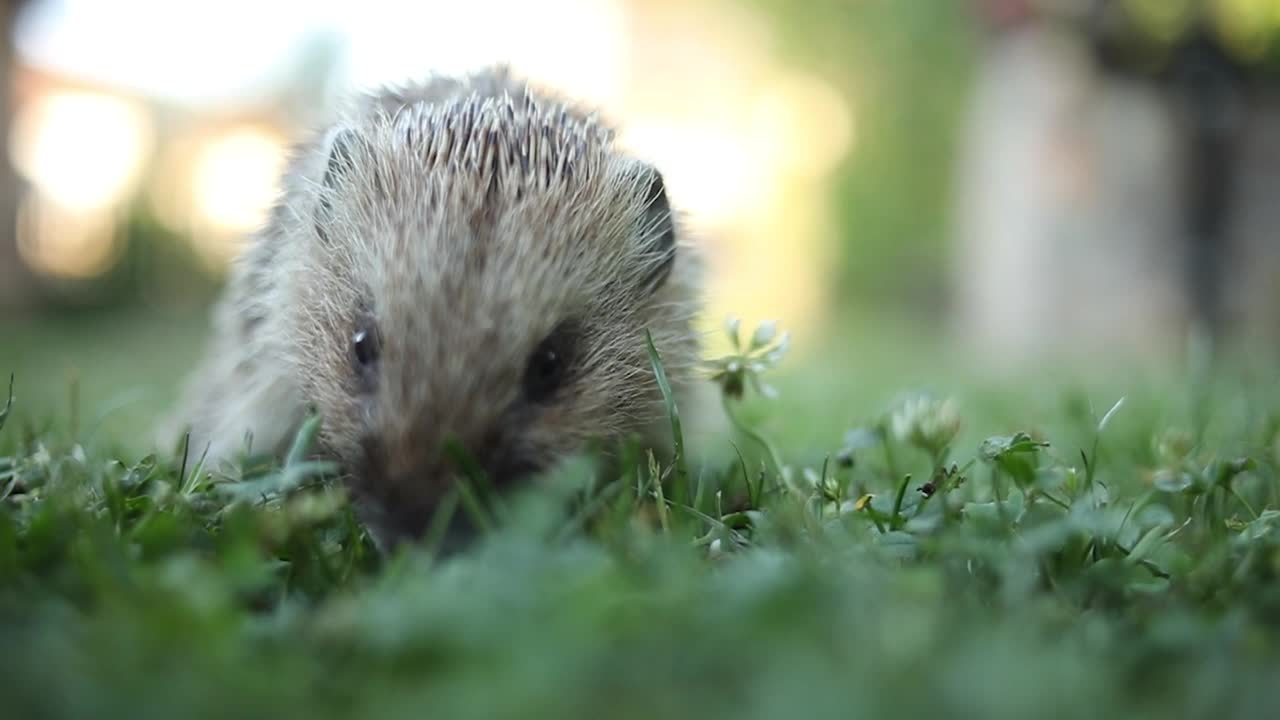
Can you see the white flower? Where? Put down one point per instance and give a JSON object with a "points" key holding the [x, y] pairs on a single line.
{"points": [[925, 422], [764, 334]]}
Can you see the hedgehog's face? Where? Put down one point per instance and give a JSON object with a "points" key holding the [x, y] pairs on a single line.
{"points": [[482, 313]]}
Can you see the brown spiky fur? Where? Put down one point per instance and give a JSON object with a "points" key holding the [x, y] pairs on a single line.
{"points": [[471, 218]]}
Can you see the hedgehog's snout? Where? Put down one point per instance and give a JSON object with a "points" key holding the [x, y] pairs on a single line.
{"points": [[401, 492], [401, 508], [397, 499]]}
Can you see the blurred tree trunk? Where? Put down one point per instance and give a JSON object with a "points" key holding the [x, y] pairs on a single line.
{"points": [[15, 280]]}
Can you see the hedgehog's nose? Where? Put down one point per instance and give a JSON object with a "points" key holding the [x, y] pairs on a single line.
{"points": [[403, 492], [399, 501], [395, 515]]}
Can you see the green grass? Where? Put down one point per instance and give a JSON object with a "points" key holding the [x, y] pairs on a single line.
{"points": [[118, 370], [999, 549]]}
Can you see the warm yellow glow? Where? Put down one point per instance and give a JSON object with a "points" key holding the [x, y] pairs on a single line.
{"points": [[236, 180], [772, 268], [83, 150], [709, 167], [55, 241], [729, 161], [747, 147], [812, 124]]}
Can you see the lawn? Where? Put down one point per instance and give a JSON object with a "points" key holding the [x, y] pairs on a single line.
{"points": [[1041, 546]]}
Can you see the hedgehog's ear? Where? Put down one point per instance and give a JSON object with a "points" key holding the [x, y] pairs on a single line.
{"points": [[340, 164], [657, 229], [342, 148]]}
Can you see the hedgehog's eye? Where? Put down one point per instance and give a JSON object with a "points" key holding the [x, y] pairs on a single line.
{"points": [[547, 367], [365, 349]]}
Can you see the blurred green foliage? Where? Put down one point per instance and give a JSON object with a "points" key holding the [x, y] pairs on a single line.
{"points": [[929, 563], [906, 69]]}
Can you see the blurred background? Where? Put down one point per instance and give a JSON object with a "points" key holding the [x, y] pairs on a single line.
{"points": [[916, 190]]}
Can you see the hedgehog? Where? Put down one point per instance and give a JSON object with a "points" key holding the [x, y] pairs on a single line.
{"points": [[463, 260]]}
